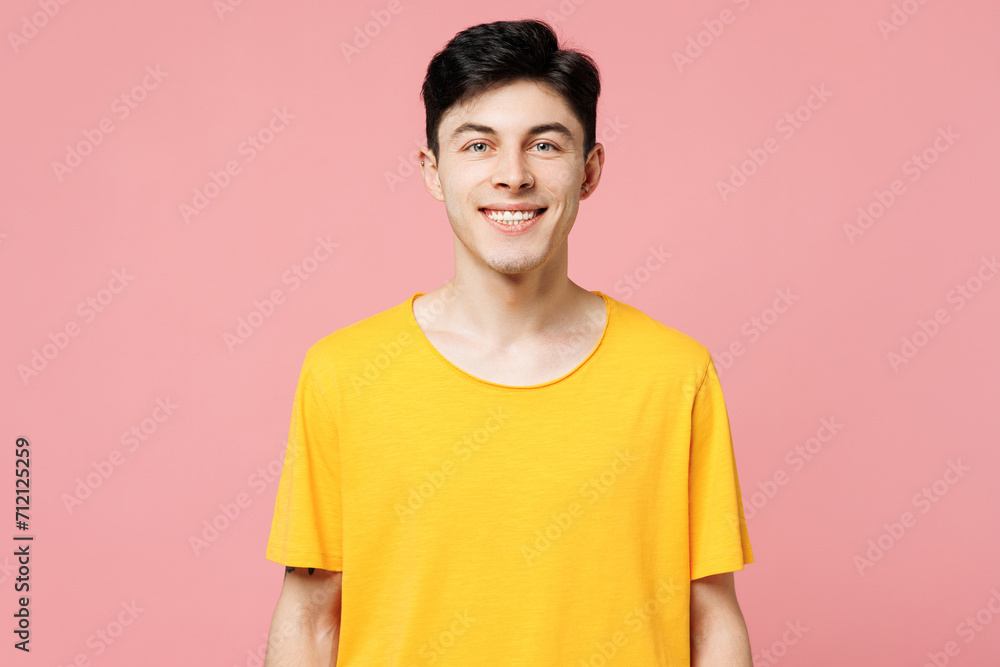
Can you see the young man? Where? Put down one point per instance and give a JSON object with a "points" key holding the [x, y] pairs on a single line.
{"points": [[510, 469]]}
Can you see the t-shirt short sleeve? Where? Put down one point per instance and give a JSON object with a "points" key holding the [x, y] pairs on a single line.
{"points": [[306, 530], [719, 541]]}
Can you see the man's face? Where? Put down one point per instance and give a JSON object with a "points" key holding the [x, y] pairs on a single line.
{"points": [[518, 146]]}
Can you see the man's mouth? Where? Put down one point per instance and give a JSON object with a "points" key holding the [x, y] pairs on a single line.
{"points": [[511, 218]]}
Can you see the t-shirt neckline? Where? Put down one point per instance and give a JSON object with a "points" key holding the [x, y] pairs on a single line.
{"points": [[412, 321]]}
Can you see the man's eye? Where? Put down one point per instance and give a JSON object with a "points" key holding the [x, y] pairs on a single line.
{"points": [[478, 143], [550, 147]]}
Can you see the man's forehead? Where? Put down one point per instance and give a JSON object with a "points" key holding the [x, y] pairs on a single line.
{"points": [[496, 111], [479, 128]]}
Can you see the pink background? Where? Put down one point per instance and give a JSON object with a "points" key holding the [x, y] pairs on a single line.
{"points": [[672, 131]]}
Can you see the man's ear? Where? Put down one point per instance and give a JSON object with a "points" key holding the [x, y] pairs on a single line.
{"points": [[428, 168], [592, 169]]}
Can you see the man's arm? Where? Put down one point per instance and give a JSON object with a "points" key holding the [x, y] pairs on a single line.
{"points": [[719, 634], [305, 627]]}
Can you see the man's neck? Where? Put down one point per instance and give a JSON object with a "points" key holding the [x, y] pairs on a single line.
{"points": [[503, 312]]}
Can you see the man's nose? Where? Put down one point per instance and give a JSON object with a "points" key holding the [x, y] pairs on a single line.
{"points": [[512, 172]]}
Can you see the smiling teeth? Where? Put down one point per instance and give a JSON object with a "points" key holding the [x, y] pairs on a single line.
{"points": [[511, 217]]}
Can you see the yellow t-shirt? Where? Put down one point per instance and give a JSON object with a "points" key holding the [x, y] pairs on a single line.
{"points": [[484, 524]]}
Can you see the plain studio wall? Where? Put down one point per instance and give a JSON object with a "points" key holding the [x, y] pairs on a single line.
{"points": [[195, 192]]}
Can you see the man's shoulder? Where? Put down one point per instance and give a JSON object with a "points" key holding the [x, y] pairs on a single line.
{"points": [[654, 336], [363, 337]]}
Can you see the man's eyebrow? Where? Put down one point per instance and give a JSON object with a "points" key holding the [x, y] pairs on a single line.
{"points": [[559, 128]]}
